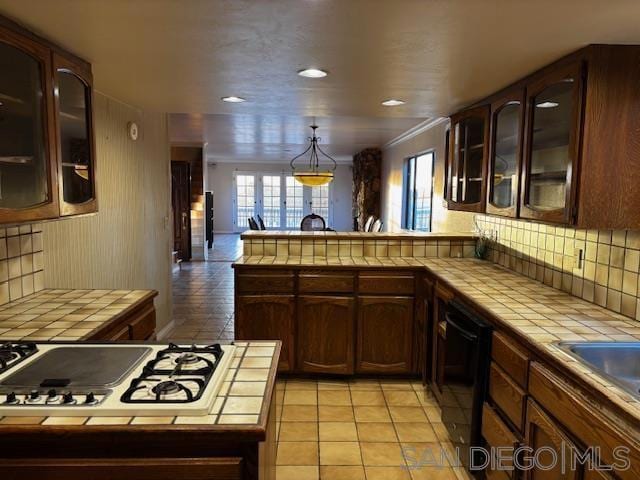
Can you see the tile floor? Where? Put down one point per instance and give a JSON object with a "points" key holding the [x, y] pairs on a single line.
{"points": [[358, 429]]}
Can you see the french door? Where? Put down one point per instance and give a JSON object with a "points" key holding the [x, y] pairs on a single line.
{"points": [[279, 199]]}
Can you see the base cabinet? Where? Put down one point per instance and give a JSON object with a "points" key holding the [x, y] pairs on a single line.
{"points": [[325, 334], [139, 324], [267, 317], [385, 328]]}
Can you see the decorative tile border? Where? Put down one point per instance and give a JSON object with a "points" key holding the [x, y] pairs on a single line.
{"points": [[608, 274]]}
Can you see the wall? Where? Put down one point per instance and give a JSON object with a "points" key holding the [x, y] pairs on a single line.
{"points": [[220, 178], [393, 159], [128, 243], [608, 275]]}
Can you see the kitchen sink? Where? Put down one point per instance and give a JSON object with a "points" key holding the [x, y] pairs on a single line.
{"points": [[617, 361]]}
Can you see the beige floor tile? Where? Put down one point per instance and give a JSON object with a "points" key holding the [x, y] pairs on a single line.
{"points": [[372, 414], [433, 414], [441, 431], [297, 453], [333, 472], [427, 399], [298, 431], [364, 384], [333, 385], [340, 453], [401, 398], [335, 414], [426, 454], [334, 397], [386, 453], [415, 432], [433, 473], [338, 432], [387, 473], [287, 472], [300, 397], [389, 384], [407, 414], [367, 398], [376, 432], [300, 384], [299, 413]]}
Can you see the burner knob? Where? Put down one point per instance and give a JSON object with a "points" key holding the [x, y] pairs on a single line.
{"points": [[11, 398], [34, 395], [90, 399], [68, 399], [52, 393]]}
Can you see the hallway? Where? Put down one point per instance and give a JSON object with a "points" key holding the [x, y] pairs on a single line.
{"points": [[203, 294]]}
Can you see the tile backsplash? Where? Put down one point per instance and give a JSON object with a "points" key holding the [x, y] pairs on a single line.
{"points": [[600, 266], [21, 261]]}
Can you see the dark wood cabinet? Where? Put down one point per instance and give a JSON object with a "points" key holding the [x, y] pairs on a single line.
{"points": [[505, 152], [552, 143], [47, 152], [325, 334], [268, 317], [467, 160], [385, 328]]}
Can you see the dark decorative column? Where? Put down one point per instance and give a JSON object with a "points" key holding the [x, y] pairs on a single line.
{"points": [[367, 169]]}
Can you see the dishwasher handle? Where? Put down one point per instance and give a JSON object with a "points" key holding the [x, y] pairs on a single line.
{"points": [[464, 333]]}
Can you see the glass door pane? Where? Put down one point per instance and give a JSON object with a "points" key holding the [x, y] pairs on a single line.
{"points": [[320, 202], [245, 200], [423, 190], [550, 140], [23, 157], [271, 201], [504, 175], [75, 149], [294, 203]]}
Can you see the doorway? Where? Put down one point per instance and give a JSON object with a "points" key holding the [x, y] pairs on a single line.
{"points": [[181, 203]]}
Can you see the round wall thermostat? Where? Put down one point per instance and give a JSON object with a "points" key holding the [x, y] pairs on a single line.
{"points": [[132, 128]]}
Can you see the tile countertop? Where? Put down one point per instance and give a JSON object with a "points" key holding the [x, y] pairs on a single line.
{"points": [[243, 401], [297, 234], [540, 315], [65, 315]]}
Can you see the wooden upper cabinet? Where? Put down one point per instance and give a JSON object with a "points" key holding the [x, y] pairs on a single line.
{"points": [[385, 329], [28, 173], [75, 141], [552, 145], [467, 160], [505, 152], [325, 334]]}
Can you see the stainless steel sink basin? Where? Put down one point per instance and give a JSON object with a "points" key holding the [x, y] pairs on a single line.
{"points": [[617, 361]]}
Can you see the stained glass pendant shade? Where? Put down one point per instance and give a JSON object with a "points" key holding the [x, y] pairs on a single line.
{"points": [[310, 174]]}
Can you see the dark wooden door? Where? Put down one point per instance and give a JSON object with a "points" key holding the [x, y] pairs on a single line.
{"points": [[542, 432], [384, 334], [267, 317], [325, 334], [181, 203]]}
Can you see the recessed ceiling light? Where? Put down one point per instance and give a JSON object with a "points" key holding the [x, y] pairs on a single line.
{"points": [[547, 105], [233, 99], [312, 73], [393, 102]]}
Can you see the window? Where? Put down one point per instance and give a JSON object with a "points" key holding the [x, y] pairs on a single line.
{"points": [[294, 203], [418, 188], [271, 200], [320, 201], [245, 198]]}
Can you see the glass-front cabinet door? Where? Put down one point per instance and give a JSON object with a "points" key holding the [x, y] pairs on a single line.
{"points": [[28, 178], [76, 152], [503, 181], [551, 149], [467, 160]]}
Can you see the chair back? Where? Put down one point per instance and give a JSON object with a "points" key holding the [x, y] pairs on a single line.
{"points": [[261, 223], [312, 222], [377, 226], [369, 223], [252, 224]]}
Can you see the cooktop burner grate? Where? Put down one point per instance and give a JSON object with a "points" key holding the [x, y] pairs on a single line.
{"points": [[13, 353]]}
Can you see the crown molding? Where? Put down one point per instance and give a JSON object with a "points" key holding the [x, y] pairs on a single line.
{"points": [[417, 130], [340, 160]]}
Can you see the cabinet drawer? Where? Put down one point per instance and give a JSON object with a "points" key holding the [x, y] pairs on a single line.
{"points": [[391, 283], [510, 358], [265, 282], [497, 434], [319, 282], [142, 327], [507, 395]]}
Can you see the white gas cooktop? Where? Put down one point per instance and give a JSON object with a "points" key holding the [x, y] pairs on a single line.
{"points": [[106, 379]]}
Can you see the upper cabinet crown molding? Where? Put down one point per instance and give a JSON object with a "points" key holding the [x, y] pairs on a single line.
{"points": [[576, 159], [47, 153]]}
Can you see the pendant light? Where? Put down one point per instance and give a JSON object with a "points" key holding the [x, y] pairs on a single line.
{"points": [[313, 176]]}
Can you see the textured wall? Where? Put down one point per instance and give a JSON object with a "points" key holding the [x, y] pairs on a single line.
{"points": [[128, 243], [393, 159], [367, 166]]}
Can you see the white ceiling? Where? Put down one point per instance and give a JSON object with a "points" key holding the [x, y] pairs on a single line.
{"points": [[182, 56]]}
